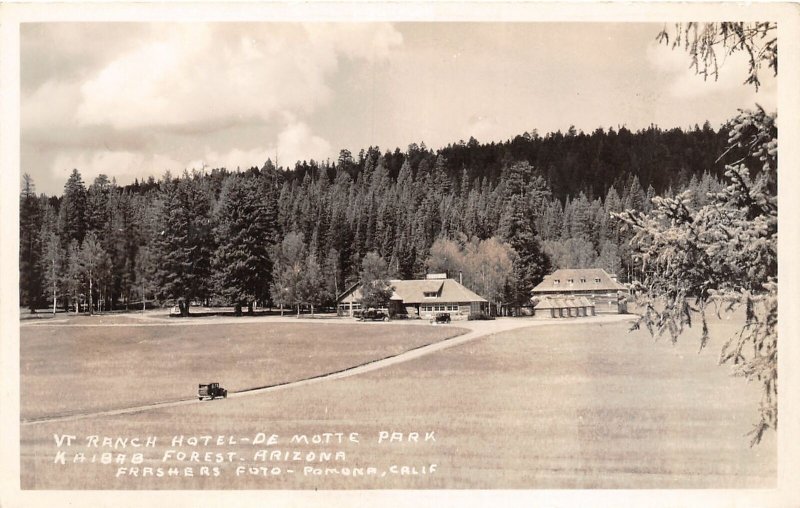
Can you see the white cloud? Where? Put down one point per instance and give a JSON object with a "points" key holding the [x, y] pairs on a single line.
{"points": [[232, 159], [52, 104], [183, 95], [122, 165], [297, 142], [369, 41], [206, 76]]}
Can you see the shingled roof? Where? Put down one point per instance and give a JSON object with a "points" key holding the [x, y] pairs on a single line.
{"points": [[413, 291], [583, 279], [563, 303]]}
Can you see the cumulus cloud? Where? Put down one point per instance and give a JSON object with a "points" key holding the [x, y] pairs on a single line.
{"points": [[206, 76], [122, 165], [295, 142], [368, 41], [132, 100]]}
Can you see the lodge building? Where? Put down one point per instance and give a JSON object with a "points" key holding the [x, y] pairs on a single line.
{"points": [[579, 292], [421, 298]]}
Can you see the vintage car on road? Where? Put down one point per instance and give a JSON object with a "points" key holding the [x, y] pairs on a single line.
{"points": [[211, 391], [374, 315], [441, 318]]}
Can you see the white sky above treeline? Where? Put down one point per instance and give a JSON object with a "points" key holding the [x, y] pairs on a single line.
{"points": [[135, 99]]}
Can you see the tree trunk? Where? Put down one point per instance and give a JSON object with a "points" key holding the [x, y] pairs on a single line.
{"points": [[298, 310], [250, 308], [91, 310], [54, 287], [312, 310], [237, 309], [281, 310], [144, 299], [183, 305]]}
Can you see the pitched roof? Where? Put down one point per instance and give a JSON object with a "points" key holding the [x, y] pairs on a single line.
{"points": [[413, 291], [549, 302], [576, 275], [448, 290]]}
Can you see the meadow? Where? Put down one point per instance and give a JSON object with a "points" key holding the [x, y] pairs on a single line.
{"points": [[75, 366], [588, 405]]}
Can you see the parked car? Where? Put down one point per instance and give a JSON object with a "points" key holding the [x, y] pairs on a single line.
{"points": [[211, 391], [441, 318], [374, 315]]}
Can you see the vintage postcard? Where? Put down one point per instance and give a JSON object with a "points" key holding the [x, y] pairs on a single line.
{"points": [[381, 253]]}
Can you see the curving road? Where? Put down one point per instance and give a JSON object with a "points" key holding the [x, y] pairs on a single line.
{"points": [[474, 330]]}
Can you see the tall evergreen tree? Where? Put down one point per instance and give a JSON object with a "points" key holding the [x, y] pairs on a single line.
{"points": [[72, 214], [185, 243], [30, 245], [242, 265], [517, 229]]}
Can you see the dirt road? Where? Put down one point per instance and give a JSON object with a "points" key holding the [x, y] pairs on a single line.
{"points": [[473, 330]]}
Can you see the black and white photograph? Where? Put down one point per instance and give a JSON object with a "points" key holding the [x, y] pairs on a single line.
{"points": [[400, 252]]}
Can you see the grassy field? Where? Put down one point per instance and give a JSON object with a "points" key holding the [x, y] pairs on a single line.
{"points": [[583, 406], [75, 368]]}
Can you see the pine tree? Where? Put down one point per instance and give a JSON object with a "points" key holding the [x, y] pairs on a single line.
{"points": [[30, 245], [516, 228], [145, 273], [185, 243], [241, 263], [97, 204], [72, 214]]}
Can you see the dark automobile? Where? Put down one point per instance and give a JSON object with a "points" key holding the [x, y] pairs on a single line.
{"points": [[442, 318], [374, 315], [211, 391]]}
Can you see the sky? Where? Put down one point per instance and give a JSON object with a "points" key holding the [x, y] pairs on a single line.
{"points": [[131, 100]]}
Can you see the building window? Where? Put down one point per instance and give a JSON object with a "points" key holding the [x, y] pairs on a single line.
{"points": [[557, 281], [583, 280], [570, 281], [430, 294], [597, 280]]}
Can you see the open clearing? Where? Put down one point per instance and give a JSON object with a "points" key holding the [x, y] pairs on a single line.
{"points": [[585, 405], [107, 362]]}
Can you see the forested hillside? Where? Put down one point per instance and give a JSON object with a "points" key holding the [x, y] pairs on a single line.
{"points": [[298, 235]]}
